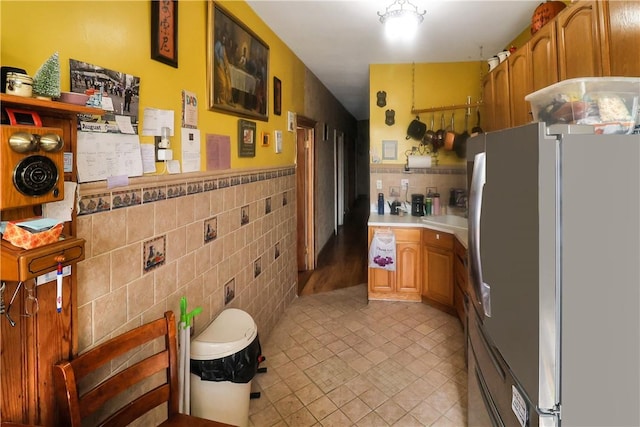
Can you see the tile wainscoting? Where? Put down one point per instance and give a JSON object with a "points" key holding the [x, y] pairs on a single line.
{"points": [[120, 287]]}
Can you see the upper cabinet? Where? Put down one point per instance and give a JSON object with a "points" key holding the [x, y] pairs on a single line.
{"points": [[579, 41], [587, 39], [621, 29]]}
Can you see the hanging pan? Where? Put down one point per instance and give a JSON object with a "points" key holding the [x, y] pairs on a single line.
{"points": [[416, 129]]}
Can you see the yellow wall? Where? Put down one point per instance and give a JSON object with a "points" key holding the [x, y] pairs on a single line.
{"points": [[116, 35], [436, 85]]}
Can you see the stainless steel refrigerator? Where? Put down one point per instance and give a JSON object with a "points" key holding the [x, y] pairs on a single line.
{"points": [[554, 263]]}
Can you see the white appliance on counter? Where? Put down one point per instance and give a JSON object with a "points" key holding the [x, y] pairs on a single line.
{"points": [[554, 260]]}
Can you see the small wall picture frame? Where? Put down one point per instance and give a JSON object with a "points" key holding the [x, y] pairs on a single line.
{"points": [[246, 138], [291, 121], [389, 150], [277, 136], [164, 31], [277, 96], [264, 137]]}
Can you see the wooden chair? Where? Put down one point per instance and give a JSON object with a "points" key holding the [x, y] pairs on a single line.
{"points": [[163, 366]]}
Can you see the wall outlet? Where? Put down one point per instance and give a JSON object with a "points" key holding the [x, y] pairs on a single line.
{"points": [[378, 184], [404, 183]]}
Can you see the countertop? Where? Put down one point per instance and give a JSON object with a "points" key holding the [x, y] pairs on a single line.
{"points": [[453, 224]]}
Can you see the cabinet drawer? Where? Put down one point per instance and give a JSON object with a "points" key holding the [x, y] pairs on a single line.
{"points": [[437, 238], [20, 264], [402, 234], [407, 234]]}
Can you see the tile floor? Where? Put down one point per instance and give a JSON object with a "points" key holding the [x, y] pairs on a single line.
{"points": [[334, 360]]}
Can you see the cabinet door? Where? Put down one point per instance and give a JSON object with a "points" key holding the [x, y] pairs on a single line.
{"points": [[623, 35], [579, 51], [519, 86], [408, 268], [543, 57], [487, 107], [439, 275], [381, 280], [502, 114]]}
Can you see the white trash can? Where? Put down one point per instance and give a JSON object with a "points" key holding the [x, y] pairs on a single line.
{"points": [[224, 359]]}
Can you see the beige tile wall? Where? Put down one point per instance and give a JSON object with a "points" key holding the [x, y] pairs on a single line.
{"points": [[442, 178], [116, 293]]}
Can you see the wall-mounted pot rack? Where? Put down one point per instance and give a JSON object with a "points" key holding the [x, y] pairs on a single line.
{"points": [[447, 108]]}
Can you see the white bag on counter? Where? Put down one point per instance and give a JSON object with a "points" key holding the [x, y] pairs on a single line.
{"points": [[382, 252]]}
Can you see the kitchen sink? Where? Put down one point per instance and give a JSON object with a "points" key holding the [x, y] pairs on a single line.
{"points": [[450, 220]]}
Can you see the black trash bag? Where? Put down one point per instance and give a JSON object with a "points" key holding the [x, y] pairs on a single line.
{"points": [[239, 367]]}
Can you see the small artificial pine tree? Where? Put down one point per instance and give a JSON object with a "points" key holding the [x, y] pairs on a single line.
{"points": [[46, 82]]}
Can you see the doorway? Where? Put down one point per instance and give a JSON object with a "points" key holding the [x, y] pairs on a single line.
{"points": [[305, 195]]}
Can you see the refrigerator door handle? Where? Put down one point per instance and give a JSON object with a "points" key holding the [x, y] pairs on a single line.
{"points": [[478, 179]]}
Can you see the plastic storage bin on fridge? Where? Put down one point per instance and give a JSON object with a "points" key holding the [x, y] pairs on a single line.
{"points": [[224, 360]]}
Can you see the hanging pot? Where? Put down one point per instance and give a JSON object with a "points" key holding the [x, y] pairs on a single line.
{"points": [[416, 129], [438, 141], [460, 145], [450, 135], [430, 135]]}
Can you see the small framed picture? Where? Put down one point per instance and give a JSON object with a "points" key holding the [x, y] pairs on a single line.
{"points": [[291, 121], [277, 136], [389, 150], [265, 139], [246, 138], [277, 96]]}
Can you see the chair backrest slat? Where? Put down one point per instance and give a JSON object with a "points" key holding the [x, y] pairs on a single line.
{"points": [[73, 407]]}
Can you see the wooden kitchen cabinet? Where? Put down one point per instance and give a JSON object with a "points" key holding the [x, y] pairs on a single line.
{"points": [[403, 284], [30, 347], [519, 86], [579, 41], [622, 32], [543, 57], [587, 39], [499, 116], [437, 278]]}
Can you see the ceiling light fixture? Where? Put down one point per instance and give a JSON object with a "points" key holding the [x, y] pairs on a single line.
{"points": [[401, 19]]}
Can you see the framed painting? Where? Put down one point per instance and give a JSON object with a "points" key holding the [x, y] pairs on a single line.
{"points": [[277, 96], [237, 66], [164, 31], [246, 138]]}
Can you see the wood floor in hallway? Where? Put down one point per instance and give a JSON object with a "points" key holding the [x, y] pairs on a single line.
{"points": [[343, 261]]}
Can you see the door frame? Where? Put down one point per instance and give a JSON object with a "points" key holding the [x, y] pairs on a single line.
{"points": [[305, 193]]}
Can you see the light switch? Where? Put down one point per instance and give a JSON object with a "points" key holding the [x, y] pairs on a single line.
{"points": [[379, 184], [404, 183]]}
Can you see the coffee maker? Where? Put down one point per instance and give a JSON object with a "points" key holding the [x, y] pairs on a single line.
{"points": [[417, 204]]}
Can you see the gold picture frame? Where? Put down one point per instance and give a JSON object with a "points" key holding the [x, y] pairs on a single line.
{"points": [[237, 66]]}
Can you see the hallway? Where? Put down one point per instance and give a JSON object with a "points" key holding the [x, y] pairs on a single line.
{"points": [[343, 260]]}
